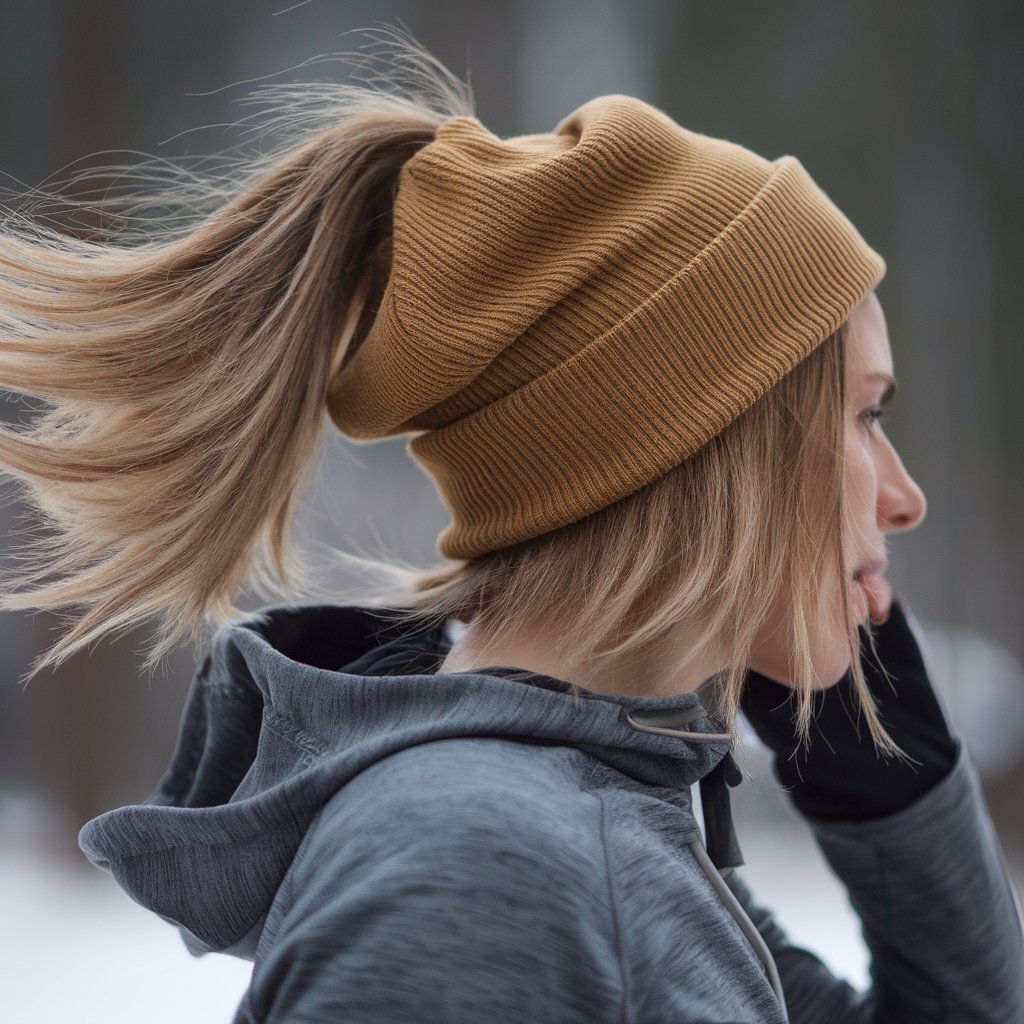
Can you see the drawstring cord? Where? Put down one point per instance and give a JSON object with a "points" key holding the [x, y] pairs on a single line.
{"points": [[722, 854], [722, 845], [665, 723], [749, 929]]}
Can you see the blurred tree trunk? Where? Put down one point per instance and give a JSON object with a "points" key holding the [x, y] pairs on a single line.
{"points": [[67, 713]]}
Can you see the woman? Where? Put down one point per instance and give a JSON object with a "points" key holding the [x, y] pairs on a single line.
{"points": [[644, 368]]}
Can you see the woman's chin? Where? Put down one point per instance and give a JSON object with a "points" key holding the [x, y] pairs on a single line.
{"points": [[836, 673], [829, 668], [830, 653], [832, 664]]}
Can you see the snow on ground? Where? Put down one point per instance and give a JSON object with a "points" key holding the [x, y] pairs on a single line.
{"points": [[76, 948]]}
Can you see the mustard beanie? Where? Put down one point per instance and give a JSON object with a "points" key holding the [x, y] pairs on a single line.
{"points": [[569, 315]]}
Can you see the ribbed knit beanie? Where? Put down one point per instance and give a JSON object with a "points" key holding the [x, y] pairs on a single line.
{"points": [[569, 315]]}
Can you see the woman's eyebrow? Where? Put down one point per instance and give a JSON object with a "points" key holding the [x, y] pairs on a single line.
{"points": [[890, 388]]}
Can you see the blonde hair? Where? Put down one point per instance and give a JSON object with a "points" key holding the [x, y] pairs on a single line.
{"points": [[186, 362]]}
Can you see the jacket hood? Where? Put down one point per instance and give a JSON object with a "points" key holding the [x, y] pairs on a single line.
{"points": [[292, 702]]}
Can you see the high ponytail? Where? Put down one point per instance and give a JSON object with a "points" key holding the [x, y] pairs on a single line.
{"points": [[185, 368]]}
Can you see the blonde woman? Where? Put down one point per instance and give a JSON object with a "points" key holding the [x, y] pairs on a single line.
{"points": [[644, 368]]}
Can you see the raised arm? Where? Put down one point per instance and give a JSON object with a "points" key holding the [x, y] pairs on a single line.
{"points": [[914, 846]]}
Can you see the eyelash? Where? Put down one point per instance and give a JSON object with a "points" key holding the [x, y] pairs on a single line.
{"points": [[873, 415]]}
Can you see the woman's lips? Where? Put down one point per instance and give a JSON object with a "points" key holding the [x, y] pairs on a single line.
{"points": [[879, 596]]}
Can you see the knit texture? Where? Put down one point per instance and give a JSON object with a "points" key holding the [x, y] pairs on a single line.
{"points": [[571, 314]]}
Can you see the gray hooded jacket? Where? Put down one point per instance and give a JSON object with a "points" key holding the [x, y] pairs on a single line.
{"points": [[390, 844]]}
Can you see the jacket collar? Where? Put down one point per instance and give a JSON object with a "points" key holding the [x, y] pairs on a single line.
{"points": [[294, 701]]}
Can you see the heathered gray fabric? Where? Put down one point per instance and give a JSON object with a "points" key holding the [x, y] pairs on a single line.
{"points": [[465, 847]]}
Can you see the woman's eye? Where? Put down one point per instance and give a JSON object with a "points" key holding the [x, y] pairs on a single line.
{"points": [[873, 415]]}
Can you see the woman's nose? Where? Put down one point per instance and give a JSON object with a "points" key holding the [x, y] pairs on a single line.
{"points": [[901, 503]]}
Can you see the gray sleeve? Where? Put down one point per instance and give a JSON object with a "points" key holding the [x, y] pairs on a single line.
{"points": [[938, 913], [478, 918]]}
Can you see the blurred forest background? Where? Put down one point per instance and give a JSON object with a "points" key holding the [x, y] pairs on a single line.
{"points": [[909, 115]]}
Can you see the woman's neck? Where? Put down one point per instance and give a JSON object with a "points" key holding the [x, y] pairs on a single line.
{"points": [[657, 673]]}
